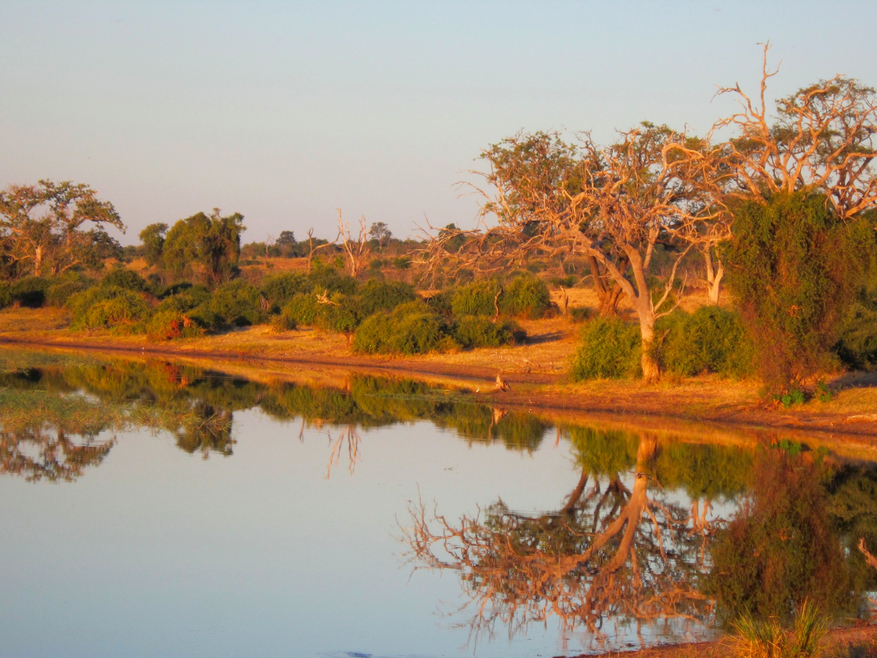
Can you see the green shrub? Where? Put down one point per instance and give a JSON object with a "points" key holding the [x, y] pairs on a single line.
{"points": [[476, 331], [30, 292], [283, 321], [303, 308], [237, 303], [328, 279], [610, 349], [795, 269], [170, 325], [124, 310], [279, 289], [441, 303], [341, 314], [477, 298], [411, 328], [402, 263], [127, 279], [5, 295], [58, 293], [709, 340], [857, 342], [185, 299], [377, 296], [525, 296]]}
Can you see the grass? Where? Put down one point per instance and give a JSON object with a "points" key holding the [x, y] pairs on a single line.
{"points": [[770, 639]]}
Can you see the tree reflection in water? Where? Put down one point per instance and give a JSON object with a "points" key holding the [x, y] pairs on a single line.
{"points": [[619, 549], [37, 454]]}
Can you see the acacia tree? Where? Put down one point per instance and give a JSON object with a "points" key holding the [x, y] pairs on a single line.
{"points": [[211, 241], [616, 206], [41, 227]]}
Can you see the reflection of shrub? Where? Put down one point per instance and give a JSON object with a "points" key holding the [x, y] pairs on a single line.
{"points": [[127, 279], [526, 296], [411, 328], [168, 325], [477, 331], [610, 348], [478, 298], [709, 340]]}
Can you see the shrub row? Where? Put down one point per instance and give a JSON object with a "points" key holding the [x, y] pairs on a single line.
{"points": [[710, 340]]}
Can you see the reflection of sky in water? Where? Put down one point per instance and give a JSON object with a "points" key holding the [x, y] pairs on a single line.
{"points": [[158, 552]]}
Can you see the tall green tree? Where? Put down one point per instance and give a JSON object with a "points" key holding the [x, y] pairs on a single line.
{"points": [[153, 238], [210, 242]]}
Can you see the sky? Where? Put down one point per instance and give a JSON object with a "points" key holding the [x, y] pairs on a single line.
{"points": [[288, 111]]}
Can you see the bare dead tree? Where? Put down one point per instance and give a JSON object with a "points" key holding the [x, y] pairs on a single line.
{"points": [[313, 249], [822, 139], [356, 249]]}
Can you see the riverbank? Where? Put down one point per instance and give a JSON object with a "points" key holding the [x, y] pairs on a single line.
{"points": [[535, 372], [856, 642]]}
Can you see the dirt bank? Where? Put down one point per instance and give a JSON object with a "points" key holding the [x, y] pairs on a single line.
{"points": [[535, 373]]}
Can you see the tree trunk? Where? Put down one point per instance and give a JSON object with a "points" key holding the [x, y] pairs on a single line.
{"points": [[714, 276], [608, 292], [38, 260], [649, 358]]}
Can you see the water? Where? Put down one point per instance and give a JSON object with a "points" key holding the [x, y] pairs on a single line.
{"points": [[187, 513]]}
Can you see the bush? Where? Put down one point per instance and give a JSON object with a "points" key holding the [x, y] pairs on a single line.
{"points": [[126, 279], [377, 296], [709, 340], [58, 293], [237, 303], [525, 296], [328, 279], [5, 295], [610, 349], [475, 331], [124, 310], [170, 325], [279, 289], [184, 299], [795, 267], [478, 298], [341, 314], [283, 321], [411, 328], [857, 342], [303, 308], [30, 292]]}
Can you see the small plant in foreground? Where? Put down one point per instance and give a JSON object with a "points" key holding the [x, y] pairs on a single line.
{"points": [[769, 639]]}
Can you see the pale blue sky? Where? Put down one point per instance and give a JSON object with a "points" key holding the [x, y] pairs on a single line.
{"points": [[284, 111]]}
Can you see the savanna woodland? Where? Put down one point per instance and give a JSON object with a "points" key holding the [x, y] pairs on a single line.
{"points": [[776, 204]]}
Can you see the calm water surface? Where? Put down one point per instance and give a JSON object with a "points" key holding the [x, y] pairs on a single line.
{"points": [[155, 509]]}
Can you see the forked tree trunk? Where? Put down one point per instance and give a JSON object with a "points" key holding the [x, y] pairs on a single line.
{"points": [[714, 274], [608, 292]]}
